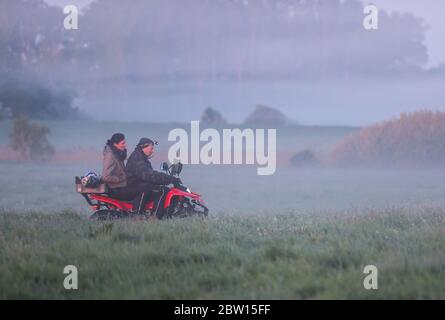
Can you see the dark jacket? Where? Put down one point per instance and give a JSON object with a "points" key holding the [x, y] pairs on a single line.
{"points": [[139, 170], [113, 170]]}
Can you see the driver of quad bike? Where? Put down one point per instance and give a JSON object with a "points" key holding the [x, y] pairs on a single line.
{"points": [[140, 174]]}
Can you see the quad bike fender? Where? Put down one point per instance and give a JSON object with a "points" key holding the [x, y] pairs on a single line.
{"points": [[128, 206], [174, 192], [121, 205]]}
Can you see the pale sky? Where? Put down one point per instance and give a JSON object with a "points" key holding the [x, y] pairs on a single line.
{"points": [[430, 10]]}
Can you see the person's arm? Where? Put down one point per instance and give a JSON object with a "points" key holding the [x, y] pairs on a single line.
{"points": [[149, 175], [160, 178]]}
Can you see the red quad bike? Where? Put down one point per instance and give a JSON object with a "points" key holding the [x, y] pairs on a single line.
{"points": [[180, 202]]}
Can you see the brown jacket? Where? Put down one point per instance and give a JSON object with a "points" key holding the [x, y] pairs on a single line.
{"points": [[113, 172]]}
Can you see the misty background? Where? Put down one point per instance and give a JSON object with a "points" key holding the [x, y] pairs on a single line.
{"points": [[166, 61]]}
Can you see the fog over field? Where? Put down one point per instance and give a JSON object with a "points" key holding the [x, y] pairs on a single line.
{"points": [[353, 121], [315, 62]]}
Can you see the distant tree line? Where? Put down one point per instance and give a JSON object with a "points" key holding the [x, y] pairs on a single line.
{"points": [[33, 40]]}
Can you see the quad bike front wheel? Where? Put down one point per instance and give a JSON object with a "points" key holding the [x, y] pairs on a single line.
{"points": [[106, 214], [186, 208]]}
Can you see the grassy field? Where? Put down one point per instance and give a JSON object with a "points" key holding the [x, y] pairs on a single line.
{"points": [[298, 234], [226, 257], [238, 190]]}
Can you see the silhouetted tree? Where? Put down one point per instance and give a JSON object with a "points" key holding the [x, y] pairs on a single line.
{"points": [[263, 115], [30, 140], [211, 117]]}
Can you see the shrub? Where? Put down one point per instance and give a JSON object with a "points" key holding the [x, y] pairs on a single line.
{"points": [[211, 117], [23, 98], [30, 141], [413, 139], [305, 158], [263, 115]]}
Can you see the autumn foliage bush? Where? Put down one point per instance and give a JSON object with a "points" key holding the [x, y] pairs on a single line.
{"points": [[412, 139]]}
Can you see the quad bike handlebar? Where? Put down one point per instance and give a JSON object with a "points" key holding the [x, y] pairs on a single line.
{"points": [[173, 170]]}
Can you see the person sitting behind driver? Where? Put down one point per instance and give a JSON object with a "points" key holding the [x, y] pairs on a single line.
{"points": [[113, 170], [140, 173]]}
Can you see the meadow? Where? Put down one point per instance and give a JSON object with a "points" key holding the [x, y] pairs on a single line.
{"points": [[298, 234], [279, 256]]}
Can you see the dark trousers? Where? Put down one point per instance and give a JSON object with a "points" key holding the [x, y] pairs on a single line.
{"points": [[159, 195], [140, 194]]}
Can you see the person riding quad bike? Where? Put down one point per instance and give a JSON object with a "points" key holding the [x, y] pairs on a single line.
{"points": [[113, 170], [140, 175], [123, 191]]}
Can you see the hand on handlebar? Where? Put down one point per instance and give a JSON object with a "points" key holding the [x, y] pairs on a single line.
{"points": [[176, 181]]}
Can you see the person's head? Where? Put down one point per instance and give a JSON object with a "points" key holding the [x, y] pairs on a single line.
{"points": [[147, 146], [118, 141]]}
